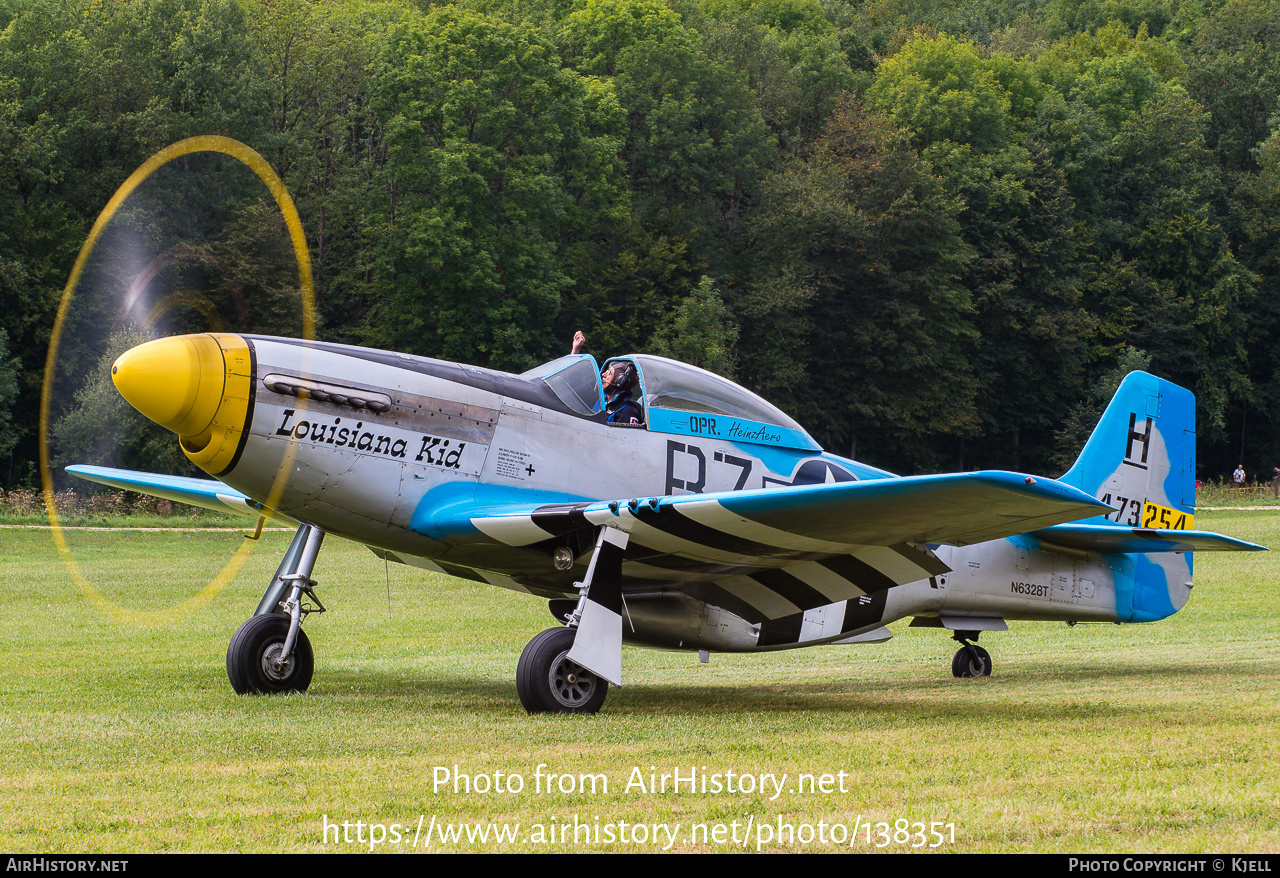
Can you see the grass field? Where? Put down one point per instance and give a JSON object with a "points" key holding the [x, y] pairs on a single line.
{"points": [[118, 738], [1216, 495]]}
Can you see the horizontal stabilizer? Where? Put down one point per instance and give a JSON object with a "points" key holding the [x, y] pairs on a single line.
{"points": [[1139, 540]]}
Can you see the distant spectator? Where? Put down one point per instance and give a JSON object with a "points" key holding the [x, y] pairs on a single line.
{"points": [[1237, 477], [1275, 482]]}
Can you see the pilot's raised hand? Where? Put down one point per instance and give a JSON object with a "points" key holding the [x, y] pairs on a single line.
{"points": [[578, 341]]}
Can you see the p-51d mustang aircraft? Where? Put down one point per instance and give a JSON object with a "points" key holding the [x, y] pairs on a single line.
{"points": [[714, 524]]}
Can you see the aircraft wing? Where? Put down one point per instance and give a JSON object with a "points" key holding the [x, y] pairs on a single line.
{"points": [[957, 509], [206, 493], [1100, 538], [780, 552]]}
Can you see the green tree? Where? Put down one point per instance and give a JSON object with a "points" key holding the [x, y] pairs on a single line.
{"points": [[1088, 16], [324, 139], [87, 92], [1256, 205], [1186, 294], [595, 37], [9, 367], [1235, 74], [493, 164], [703, 332], [788, 53], [628, 285], [695, 148], [970, 118], [696, 144], [102, 429], [865, 258], [1085, 414]]}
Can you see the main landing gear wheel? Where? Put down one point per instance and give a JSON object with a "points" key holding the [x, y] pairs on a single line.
{"points": [[971, 660], [256, 663], [548, 682]]}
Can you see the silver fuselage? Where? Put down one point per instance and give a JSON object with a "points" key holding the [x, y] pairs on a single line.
{"points": [[452, 435]]}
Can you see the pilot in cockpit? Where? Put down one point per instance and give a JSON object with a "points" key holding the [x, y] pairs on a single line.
{"points": [[618, 378]]}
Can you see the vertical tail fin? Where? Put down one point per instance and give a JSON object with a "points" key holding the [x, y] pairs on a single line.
{"points": [[1141, 458]]}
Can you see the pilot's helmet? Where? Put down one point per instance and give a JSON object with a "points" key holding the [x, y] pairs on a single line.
{"points": [[624, 376]]}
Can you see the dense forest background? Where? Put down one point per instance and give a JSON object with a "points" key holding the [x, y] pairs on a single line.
{"points": [[935, 232]]}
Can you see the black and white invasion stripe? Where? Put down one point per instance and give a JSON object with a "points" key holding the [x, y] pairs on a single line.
{"points": [[754, 570]]}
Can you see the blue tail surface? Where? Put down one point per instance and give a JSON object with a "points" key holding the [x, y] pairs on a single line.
{"points": [[1141, 461], [1141, 458]]}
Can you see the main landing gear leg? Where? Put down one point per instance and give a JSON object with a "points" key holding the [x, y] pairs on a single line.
{"points": [[270, 652], [970, 660], [568, 670]]}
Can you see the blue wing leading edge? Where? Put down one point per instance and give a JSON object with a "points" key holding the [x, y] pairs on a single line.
{"points": [[204, 493]]}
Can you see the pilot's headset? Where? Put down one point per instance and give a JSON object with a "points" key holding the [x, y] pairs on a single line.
{"points": [[624, 376]]}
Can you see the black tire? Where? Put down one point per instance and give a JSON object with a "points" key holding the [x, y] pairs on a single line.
{"points": [[964, 664], [252, 652], [547, 682]]}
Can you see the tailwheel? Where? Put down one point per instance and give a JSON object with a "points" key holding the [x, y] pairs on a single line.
{"points": [[256, 660], [548, 682], [971, 660]]}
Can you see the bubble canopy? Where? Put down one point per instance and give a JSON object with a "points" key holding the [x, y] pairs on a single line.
{"points": [[678, 398]]}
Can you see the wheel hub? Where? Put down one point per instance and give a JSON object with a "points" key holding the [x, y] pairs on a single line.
{"points": [[571, 684], [275, 664]]}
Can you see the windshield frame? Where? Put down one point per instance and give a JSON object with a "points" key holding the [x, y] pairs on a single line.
{"points": [[711, 405], [572, 390]]}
